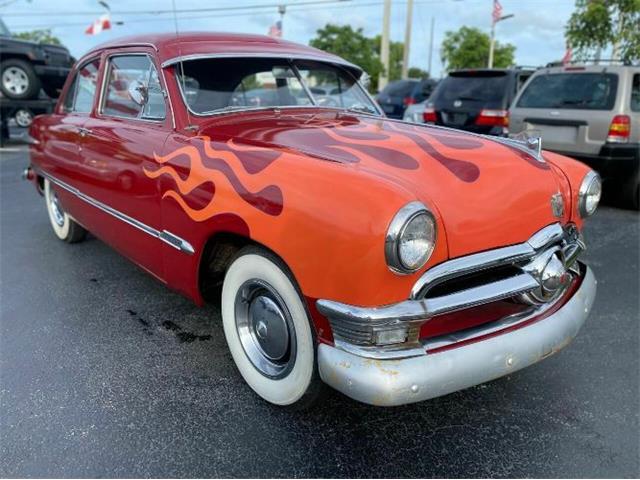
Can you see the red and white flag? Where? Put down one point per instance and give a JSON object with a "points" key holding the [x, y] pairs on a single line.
{"points": [[567, 55], [275, 30], [497, 11], [102, 23]]}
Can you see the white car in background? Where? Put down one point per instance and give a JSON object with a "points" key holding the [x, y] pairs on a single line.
{"points": [[415, 113]]}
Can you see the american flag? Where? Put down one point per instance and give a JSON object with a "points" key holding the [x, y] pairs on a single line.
{"points": [[497, 11], [102, 23], [275, 30]]}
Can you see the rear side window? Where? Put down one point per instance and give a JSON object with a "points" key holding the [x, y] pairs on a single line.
{"points": [[581, 91], [635, 93], [473, 86], [402, 88], [79, 98], [133, 88]]}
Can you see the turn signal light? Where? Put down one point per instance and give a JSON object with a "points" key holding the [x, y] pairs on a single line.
{"points": [[494, 118], [429, 115], [620, 129]]}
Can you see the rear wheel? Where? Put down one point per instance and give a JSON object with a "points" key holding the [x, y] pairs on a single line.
{"points": [[65, 227], [18, 80], [268, 330]]}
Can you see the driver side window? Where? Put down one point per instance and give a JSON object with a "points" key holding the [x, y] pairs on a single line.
{"points": [[133, 89]]}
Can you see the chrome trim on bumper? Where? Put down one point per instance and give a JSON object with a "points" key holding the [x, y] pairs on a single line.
{"points": [[397, 382], [164, 236]]}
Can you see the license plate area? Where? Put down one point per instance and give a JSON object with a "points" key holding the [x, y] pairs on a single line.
{"points": [[454, 118]]}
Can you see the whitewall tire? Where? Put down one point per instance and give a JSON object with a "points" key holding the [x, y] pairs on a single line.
{"points": [[268, 329], [65, 227]]}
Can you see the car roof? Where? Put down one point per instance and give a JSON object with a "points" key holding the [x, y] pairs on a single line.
{"points": [[172, 48], [578, 68]]}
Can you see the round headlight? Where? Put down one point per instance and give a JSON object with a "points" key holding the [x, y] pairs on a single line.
{"points": [[589, 194], [410, 239]]}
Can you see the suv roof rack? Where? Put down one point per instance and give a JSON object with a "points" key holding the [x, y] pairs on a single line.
{"points": [[592, 61]]}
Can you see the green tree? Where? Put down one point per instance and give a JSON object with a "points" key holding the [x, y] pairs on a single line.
{"points": [[351, 45], [40, 36], [469, 48], [596, 24], [415, 72]]}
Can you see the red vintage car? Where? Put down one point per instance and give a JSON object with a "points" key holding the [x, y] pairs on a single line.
{"points": [[392, 261]]}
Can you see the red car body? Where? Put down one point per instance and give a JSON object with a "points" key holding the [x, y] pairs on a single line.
{"points": [[318, 187]]}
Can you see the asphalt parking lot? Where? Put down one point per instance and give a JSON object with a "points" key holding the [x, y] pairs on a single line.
{"points": [[106, 373]]}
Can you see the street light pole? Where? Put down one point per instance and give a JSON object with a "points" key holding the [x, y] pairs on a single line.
{"points": [[493, 37], [407, 40], [384, 46]]}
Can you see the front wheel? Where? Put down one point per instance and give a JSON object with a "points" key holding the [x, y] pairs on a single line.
{"points": [[268, 330], [65, 227]]}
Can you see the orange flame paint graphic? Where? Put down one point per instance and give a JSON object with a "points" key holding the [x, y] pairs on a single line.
{"points": [[222, 162]]}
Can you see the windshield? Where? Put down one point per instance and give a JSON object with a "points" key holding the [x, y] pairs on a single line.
{"points": [[584, 91], [4, 31], [479, 86], [214, 85], [399, 88]]}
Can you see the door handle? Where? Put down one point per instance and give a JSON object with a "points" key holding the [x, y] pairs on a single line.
{"points": [[84, 131]]}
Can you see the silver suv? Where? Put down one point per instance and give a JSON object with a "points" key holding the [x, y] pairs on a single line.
{"points": [[588, 112]]}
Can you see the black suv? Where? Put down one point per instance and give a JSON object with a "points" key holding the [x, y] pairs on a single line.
{"points": [[476, 100], [398, 95], [25, 67]]}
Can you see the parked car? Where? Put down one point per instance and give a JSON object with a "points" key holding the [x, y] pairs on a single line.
{"points": [[415, 113], [398, 95], [26, 67], [394, 262], [588, 112], [476, 100]]}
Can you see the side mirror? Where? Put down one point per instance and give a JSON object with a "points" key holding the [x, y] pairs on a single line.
{"points": [[138, 92]]}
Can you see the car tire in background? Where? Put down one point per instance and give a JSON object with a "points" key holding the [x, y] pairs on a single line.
{"points": [[18, 79], [65, 227], [268, 329], [23, 117]]}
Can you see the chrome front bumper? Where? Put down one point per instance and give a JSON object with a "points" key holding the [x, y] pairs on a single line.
{"points": [[399, 381]]}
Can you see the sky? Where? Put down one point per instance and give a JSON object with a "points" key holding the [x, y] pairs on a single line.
{"points": [[537, 28]]}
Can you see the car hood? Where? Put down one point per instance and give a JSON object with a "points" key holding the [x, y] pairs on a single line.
{"points": [[486, 193]]}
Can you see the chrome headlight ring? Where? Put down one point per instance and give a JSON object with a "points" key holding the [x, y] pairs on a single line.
{"points": [[589, 194], [410, 239]]}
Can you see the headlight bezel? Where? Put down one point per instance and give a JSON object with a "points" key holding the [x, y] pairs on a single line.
{"points": [[395, 232], [584, 191]]}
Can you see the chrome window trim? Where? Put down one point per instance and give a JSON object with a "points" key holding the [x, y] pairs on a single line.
{"points": [[379, 111], [163, 235], [100, 113], [75, 90]]}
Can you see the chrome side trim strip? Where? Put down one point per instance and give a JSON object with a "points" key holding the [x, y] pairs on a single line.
{"points": [[164, 236]]}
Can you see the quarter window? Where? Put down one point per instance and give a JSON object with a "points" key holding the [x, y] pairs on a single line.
{"points": [[80, 96], [635, 93], [133, 89]]}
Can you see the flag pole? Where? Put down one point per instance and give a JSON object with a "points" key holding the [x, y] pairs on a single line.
{"points": [[492, 44]]}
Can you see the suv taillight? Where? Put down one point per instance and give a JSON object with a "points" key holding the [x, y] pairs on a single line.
{"points": [[429, 115], [620, 129], [408, 101], [494, 118]]}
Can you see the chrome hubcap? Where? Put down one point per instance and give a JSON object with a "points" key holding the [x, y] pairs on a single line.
{"points": [[23, 118], [56, 209], [265, 328], [15, 80]]}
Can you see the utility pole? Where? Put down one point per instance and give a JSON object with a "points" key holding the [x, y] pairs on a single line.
{"points": [[282, 9], [384, 46], [493, 35], [407, 40], [433, 21]]}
